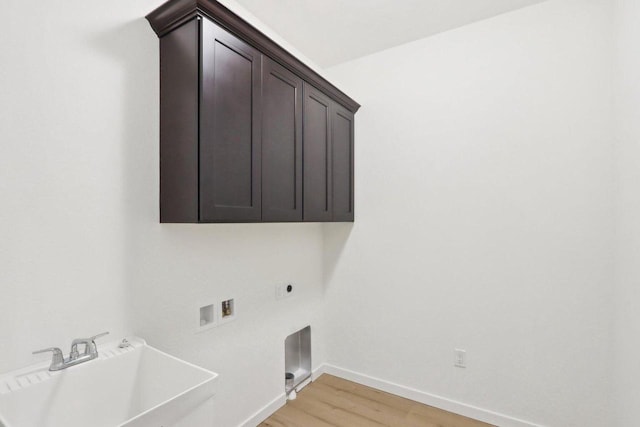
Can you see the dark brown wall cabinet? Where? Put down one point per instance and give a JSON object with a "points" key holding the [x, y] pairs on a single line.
{"points": [[248, 133]]}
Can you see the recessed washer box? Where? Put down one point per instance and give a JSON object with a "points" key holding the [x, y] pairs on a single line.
{"points": [[227, 311], [207, 316]]}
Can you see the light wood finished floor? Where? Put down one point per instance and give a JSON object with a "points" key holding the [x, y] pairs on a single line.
{"points": [[331, 401]]}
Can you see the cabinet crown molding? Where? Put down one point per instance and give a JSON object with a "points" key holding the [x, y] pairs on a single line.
{"points": [[174, 13]]}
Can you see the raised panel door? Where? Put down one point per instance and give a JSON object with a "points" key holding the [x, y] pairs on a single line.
{"points": [[317, 165], [342, 155], [281, 143], [230, 132]]}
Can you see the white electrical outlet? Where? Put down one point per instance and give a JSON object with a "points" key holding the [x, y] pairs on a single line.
{"points": [[460, 358], [284, 290]]}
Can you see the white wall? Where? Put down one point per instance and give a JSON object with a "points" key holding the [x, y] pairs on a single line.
{"points": [[484, 216], [81, 249], [78, 87], [627, 342]]}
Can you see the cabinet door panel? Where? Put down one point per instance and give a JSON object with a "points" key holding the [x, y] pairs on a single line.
{"points": [[230, 138], [281, 144], [317, 156], [342, 155]]}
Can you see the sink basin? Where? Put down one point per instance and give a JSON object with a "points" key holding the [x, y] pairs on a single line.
{"points": [[135, 386]]}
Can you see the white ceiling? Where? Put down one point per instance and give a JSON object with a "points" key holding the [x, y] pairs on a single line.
{"points": [[330, 32]]}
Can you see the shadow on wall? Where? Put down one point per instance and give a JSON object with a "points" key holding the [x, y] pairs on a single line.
{"points": [[135, 47]]}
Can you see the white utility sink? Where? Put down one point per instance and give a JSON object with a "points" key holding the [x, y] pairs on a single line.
{"points": [[134, 387]]}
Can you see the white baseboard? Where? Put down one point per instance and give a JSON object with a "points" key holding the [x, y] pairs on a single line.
{"points": [[277, 403], [265, 412], [317, 372], [439, 402]]}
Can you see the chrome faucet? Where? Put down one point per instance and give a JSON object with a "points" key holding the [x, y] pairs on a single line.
{"points": [[59, 362]]}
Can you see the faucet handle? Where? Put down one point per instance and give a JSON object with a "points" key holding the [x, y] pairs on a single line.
{"points": [[91, 347], [95, 337], [58, 357], [55, 351]]}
